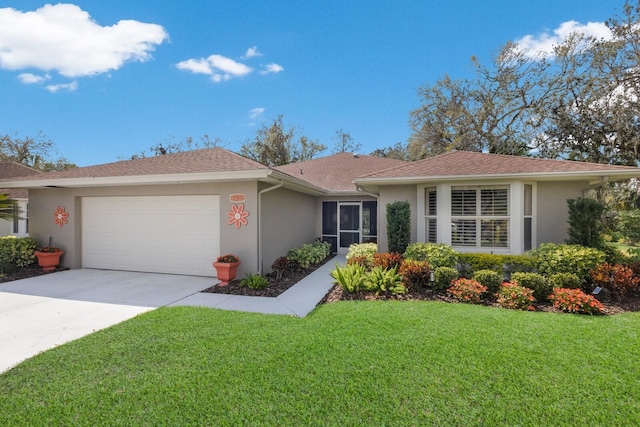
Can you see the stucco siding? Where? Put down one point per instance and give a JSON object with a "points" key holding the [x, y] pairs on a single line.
{"points": [[240, 241], [552, 212], [288, 220], [392, 194]]}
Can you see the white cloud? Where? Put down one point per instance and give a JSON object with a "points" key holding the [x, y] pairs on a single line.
{"points": [[272, 68], [29, 78], [219, 67], [66, 39], [256, 112], [251, 52], [69, 87], [543, 44]]}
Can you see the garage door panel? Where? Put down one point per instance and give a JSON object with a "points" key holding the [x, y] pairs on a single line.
{"points": [[166, 234]]}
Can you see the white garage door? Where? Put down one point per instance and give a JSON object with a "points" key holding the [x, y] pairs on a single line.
{"points": [[160, 234]]}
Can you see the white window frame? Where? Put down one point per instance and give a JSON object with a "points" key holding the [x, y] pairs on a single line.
{"points": [[472, 220]]}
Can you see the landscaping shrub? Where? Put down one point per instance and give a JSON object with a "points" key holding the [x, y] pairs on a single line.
{"points": [[16, 252], [437, 254], [283, 265], [515, 297], [519, 263], [387, 260], [351, 278], [561, 258], [585, 222], [443, 276], [474, 262], [617, 279], [398, 226], [467, 290], [255, 281], [533, 281], [310, 253], [415, 274], [488, 278], [575, 301], [564, 280], [359, 260], [381, 281], [363, 250]]}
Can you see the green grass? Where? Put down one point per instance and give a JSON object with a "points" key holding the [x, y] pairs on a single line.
{"points": [[348, 364]]}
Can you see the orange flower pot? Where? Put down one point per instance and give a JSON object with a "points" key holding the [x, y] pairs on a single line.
{"points": [[48, 260], [227, 271]]}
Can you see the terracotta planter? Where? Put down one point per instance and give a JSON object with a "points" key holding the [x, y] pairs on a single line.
{"points": [[226, 271], [48, 260]]}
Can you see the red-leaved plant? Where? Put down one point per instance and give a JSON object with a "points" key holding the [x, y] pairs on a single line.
{"points": [[575, 301], [467, 290], [618, 279]]}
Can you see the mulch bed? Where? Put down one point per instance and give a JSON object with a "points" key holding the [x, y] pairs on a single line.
{"points": [[26, 272], [275, 288]]}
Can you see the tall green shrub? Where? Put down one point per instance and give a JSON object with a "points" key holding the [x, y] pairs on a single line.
{"points": [[398, 226], [579, 260], [585, 222]]}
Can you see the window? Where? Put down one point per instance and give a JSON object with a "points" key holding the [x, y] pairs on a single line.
{"points": [[16, 221], [431, 211], [480, 216], [528, 216]]}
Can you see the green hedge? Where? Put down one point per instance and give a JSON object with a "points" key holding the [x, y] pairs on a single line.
{"points": [[16, 252]]}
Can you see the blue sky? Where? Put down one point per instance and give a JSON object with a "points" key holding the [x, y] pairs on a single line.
{"points": [[108, 79]]}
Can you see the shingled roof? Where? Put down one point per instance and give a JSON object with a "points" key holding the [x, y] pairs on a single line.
{"points": [[465, 164], [203, 160], [14, 170], [336, 173]]}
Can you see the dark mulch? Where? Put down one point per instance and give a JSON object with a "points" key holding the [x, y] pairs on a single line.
{"points": [[26, 272], [630, 304], [275, 288]]}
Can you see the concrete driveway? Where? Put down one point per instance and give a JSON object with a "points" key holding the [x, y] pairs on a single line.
{"points": [[42, 312]]}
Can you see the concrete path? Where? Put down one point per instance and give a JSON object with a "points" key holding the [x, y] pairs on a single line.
{"points": [[42, 312]]}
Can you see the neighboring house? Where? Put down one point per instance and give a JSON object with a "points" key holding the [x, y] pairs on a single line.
{"points": [[176, 213], [19, 226]]}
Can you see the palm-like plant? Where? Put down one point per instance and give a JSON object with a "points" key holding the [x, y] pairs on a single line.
{"points": [[7, 208]]}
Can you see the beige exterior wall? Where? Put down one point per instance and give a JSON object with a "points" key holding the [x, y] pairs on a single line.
{"points": [[43, 203], [552, 212], [392, 194], [288, 220]]}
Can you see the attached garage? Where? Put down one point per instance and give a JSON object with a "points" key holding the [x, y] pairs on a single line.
{"points": [[159, 234]]}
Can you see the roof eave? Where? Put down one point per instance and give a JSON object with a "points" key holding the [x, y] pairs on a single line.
{"points": [[611, 175], [129, 180]]}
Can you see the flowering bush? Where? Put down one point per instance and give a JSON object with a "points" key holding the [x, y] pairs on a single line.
{"points": [[415, 273], [515, 297], [575, 301], [467, 290], [618, 279]]}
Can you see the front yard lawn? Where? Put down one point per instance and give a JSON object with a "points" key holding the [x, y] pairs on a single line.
{"points": [[348, 363]]}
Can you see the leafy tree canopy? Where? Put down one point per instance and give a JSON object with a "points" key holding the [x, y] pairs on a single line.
{"points": [[275, 146], [30, 151]]}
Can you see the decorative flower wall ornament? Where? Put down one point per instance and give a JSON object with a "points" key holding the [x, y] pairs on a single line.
{"points": [[237, 216], [61, 216]]}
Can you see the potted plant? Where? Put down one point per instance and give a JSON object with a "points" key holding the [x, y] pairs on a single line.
{"points": [[49, 256], [226, 267]]}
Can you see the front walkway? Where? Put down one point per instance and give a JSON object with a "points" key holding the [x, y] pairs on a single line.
{"points": [[299, 300]]}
